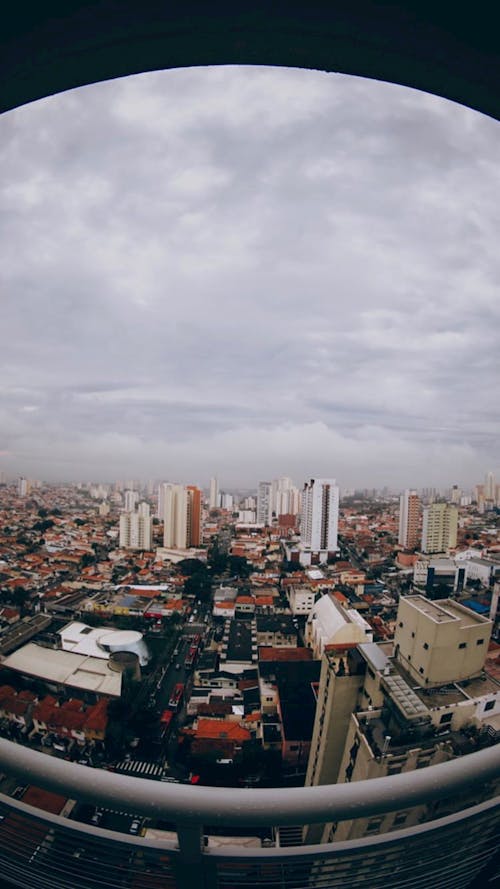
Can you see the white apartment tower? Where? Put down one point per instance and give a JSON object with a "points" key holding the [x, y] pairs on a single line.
{"points": [[409, 519], [320, 516], [136, 528], [284, 498], [439, 528], [264, 503], [131, 500]]}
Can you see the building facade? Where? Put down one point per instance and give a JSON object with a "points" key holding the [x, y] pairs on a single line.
{"points": [[409, 519], [136, 528], [320, 516], [439, 527], [182, 516]]}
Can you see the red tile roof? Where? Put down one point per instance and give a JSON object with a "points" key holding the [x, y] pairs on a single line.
{"points": [[223, 729]]}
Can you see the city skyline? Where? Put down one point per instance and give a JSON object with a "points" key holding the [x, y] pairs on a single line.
{"points": [[195, 285]]}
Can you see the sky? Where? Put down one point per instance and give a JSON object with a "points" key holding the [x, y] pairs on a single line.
{"points": [[250, 272]]}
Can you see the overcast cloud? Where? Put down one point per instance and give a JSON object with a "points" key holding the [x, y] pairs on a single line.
{"points": [[250, 272]]}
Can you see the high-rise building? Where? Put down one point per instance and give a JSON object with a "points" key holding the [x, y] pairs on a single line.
{"points": [[131, 500], [194, 500], [160, 510], [182, 516], [23, 487], [320, 514], [136, 528], [213, 500], [439, 528], [264, 503], [409, 519], [456, 494], [490, 488], [226, 501], [284, 497]]}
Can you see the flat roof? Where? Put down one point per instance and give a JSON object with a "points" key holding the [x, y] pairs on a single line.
{"points": [[445, 610], [65, 668]]}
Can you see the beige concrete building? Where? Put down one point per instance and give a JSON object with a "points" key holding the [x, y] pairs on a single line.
{"points": [[340, 689], [439, 528], [440, 642], [377, 715]]}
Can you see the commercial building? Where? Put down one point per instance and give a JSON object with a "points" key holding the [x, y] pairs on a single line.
{"points": [[439, 577]]}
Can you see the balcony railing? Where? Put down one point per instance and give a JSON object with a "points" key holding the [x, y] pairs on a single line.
{"points": [[42, 850]]}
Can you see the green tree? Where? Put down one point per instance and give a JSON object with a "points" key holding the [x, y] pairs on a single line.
{"points": [[198, 585], [191, 566], [216, 559], [238, 565]]}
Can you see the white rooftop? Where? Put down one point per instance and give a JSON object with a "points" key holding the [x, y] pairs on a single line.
{"points": [[65, 668]]}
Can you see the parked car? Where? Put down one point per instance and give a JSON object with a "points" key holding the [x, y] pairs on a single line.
{"points": [[135, 826]]}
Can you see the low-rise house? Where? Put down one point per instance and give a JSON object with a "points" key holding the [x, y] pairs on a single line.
{"points": [[276, 630], [216, 739]]}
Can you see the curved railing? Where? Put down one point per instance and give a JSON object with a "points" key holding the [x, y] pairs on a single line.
{"points": [[38, 849]]}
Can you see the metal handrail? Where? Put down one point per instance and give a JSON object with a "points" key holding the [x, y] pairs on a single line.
{"points": [[186, 805]]}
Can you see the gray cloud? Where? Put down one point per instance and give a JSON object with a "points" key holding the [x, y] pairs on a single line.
{"points": [[249, 271]]}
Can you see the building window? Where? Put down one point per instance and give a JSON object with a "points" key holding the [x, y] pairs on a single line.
{"points": [[400, 818], [413, 635], [446, 718], [462, 645], [489, 705], [373, 825], [426, 645], [480, 642], [420, 669], [394, 770], [400, 623]]}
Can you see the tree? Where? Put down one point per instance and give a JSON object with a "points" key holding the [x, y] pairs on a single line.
{"points": [[198, 585], [191, 566], [217, 560], [238, 565], [291, 566]]}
